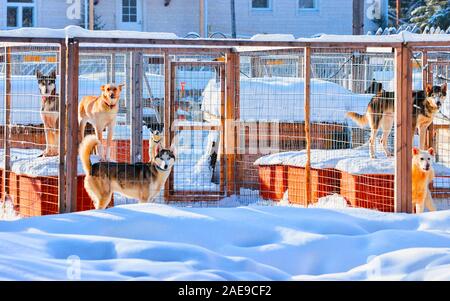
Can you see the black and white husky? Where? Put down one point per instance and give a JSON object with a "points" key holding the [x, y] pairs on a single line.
{"points": [[141, 181], [49, 111]]}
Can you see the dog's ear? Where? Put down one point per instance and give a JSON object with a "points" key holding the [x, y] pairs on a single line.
{"points": [[431, 151], [121, 86], [415, 151], [102, 88], [444, 89], [38, 73], [379, 87], [53, 74], [429, 89]]}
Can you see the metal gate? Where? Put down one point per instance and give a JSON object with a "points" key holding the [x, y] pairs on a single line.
{"points": [[197, 135]]}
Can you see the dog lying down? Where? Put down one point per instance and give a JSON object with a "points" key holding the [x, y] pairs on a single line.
{"points": [[141, 181]]}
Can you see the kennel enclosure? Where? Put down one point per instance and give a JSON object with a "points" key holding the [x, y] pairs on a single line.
{"points": [[272, 111]]}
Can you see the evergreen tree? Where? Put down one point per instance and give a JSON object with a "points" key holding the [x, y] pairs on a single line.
{"points": [[432, 13]]}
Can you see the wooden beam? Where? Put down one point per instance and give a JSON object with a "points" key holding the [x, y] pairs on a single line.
{"points": [[230, 129], [113, 68], [307, 108], [128, 95], [7, 118], [170, 120], [72, 123], [221, 71], [136, 107], [166, 120], [404, 131], [63, 205]]}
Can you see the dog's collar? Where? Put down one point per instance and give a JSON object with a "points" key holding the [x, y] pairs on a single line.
{"points": [[109, 105]]}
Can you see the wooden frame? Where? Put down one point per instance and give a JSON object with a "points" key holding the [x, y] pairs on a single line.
{"points": [[404, 134], [63, 206], [136, 107], [230, 109], [307, 106], [7, 118], [72, 124], [170, 194]]}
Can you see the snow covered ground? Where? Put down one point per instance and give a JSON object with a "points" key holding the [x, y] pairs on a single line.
{"points": [[154, 241]]}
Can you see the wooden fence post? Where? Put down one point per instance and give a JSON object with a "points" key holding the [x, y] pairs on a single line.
{"points": [[404, 131], [230, 129], [167, 103], [62, 129], [136, 107], [307, 100], [7, 119], [72, 123]]}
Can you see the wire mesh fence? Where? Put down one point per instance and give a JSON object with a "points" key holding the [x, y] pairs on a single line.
{"points": [[278, 126], [30, 129]]}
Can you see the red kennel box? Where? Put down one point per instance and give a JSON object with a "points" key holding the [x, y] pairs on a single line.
{"points": [[443, 191], [36, 196], [120, 150], [272, 181], [372, 191], [323, 182]]}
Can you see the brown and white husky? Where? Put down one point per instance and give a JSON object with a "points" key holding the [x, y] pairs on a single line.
{"points": [[141, 181], [381, 108]]}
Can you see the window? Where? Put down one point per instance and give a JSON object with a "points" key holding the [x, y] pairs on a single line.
{"points": [[262, 4], [20, 13], [129, 11], [307, 4]]}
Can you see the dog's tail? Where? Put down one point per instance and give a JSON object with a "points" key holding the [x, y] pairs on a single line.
{"points": [[85, 150], [361, 120]]}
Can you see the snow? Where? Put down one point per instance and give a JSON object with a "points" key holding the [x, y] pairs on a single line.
{"points": [[76, 31], [351, 160], [332, 201], [159, 242], [273, 98], [273, 37], [26, 162]]}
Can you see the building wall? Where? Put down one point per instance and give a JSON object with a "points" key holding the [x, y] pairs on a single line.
{"points": [[181, 17], [52, 14], [2, 14], [284, 17]]}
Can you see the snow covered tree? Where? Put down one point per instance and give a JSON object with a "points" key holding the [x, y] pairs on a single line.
{"points": [[432, 13]]}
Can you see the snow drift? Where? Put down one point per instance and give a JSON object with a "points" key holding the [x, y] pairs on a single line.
{"points": [[158, 242]]}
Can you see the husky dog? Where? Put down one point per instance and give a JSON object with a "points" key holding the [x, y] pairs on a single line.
{"points": [[141, 181], [101, 112], [422, 175], [49, 111], [381, 108], [155, 144]]}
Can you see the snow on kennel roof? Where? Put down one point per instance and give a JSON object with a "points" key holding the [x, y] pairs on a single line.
{"points": [[281, 99], [78, 32]]}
